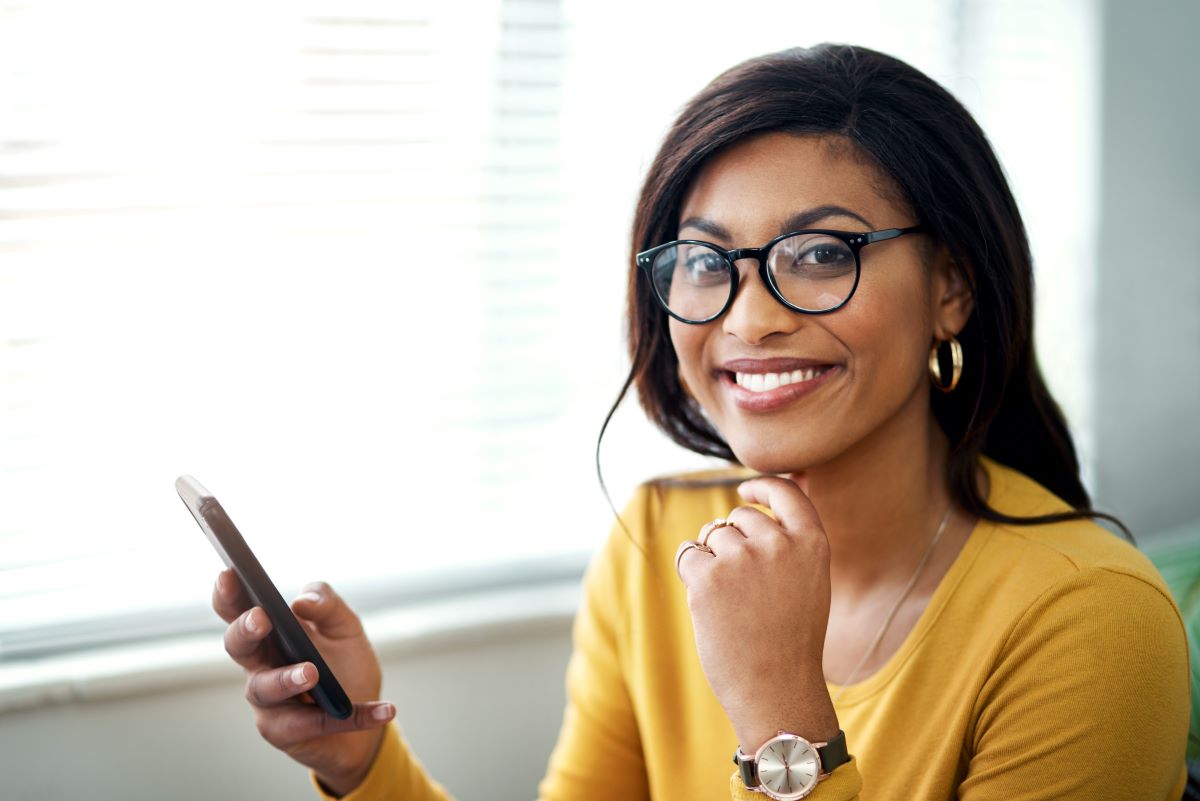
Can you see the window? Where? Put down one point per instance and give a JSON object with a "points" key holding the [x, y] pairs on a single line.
{"points": [[358, 267]]}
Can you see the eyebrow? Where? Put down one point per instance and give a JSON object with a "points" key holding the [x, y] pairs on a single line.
{"points": [[796, 222]]}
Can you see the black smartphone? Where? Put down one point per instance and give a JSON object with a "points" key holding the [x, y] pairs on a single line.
{"points": [[286, 631]]}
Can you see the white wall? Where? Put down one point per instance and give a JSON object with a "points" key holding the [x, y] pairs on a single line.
{"points": [[1148, 288], [497, 693]]}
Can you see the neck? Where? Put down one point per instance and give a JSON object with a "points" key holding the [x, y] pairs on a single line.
{"points": [[881, 501]]}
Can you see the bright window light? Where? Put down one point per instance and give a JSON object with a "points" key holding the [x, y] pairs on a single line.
{"points": [[358, 267]]}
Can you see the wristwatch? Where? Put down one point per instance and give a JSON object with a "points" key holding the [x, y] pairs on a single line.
{"points": [[787, 767]]}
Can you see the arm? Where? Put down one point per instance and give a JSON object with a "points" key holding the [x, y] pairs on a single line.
{"points": [[1088, 698], [767, 678]]}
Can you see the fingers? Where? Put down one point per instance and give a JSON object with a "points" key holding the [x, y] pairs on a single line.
{"points": [[689, 550], [320, 610], [322, 606], [749, 532], [732, 536], [787, 502], [228, 598], [292, 724], [245, 639], [725, 537], [267, 688]]}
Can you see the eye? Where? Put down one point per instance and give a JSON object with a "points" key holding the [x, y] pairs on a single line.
{"points": [[812, 256], [825, 255], [701, 265]]}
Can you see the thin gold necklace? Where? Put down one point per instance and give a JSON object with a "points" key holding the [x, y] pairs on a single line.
{"points": [[887, 621]]}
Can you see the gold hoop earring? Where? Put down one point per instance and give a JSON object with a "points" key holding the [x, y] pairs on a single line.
{"points": [[935, 364]]}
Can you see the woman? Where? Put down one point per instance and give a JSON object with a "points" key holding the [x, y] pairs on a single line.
{"points": [[831, 287]]}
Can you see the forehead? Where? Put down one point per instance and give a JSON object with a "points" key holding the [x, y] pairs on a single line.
{"points": [[754, 186]]}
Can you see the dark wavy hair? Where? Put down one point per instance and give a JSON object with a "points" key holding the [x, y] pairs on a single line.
{"points": [[925, 141]]}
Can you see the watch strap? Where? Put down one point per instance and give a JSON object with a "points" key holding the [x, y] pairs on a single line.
{"points": [[749, 769], [833, 753]]}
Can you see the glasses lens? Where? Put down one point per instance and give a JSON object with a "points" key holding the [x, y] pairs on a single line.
{"points": [[813, 272], [692, 279]]}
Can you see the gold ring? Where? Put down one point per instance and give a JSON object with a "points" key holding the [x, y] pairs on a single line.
{"points": [[709, 528], [686, 546]]}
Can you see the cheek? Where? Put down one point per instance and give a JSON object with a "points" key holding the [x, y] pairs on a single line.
{"points": [[889, 339], [689, 342]]}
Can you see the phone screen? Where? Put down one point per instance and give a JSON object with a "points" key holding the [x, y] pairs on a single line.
{"points": [[287, 632]]}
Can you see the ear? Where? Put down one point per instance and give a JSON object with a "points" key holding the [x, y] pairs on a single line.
{"points": [[951, 299]]}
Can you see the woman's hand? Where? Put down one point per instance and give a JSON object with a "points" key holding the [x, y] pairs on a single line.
{"points": [[760, 608], [339, 751]]}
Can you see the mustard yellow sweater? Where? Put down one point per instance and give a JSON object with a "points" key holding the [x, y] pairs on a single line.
{"points": [[1051, 663]]}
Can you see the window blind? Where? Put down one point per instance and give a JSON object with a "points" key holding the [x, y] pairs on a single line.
{"points": [[307, 252]]}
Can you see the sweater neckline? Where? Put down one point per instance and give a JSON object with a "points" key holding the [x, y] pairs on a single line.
{"points": [[851, 694]]}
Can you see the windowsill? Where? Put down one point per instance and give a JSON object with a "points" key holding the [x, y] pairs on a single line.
{"points": [[124, 671]]}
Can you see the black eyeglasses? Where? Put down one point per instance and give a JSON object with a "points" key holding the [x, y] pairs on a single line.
{"points": [[812, 272]]}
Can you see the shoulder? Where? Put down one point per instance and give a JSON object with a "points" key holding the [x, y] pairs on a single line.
{"points": [[1035, 580], [1067, 619], [1048, 552]]}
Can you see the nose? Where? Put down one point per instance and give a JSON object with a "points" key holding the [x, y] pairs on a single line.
{"points": [[756, 313]]}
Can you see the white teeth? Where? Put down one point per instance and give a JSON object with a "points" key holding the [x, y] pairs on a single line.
{"points": [[765, 382]]}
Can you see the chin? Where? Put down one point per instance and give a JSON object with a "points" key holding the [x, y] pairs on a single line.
{"points": [[798, 445], [774, 460]]}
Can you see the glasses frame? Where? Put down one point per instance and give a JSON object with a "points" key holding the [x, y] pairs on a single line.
{"points": [[855, 240]]}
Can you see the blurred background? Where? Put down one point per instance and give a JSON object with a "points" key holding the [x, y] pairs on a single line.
{"points": [[359, 266]]}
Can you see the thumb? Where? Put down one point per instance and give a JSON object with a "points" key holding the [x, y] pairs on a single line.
{"points": [[333, 616]]}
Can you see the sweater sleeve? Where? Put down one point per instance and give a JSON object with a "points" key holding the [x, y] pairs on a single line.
{"points": [[1087, 699]]}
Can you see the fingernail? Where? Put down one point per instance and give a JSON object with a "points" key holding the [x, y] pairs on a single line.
{"points": [[251, 623], [298, 676], [309, 596], [382, 712]]}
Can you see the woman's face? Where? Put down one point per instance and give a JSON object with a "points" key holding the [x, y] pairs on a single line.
{"points": [[861, 369]]}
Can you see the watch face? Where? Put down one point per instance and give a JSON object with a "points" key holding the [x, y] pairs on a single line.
{"points": [[788, 768]]}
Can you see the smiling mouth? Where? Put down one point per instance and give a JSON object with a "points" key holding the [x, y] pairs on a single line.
{"points": [[765, 382]]}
